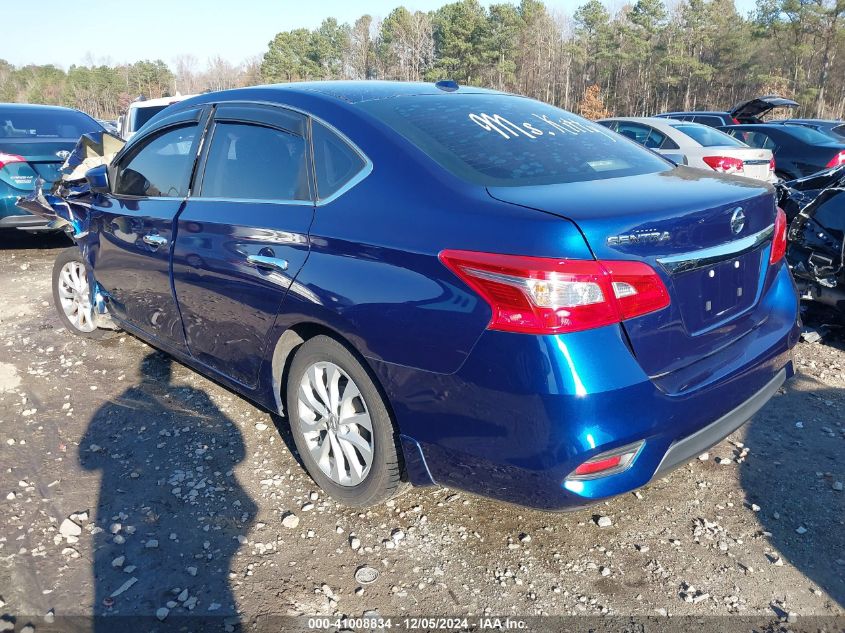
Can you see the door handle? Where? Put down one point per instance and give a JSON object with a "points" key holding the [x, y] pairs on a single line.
{"points": [[154, 240], [267, 263]]}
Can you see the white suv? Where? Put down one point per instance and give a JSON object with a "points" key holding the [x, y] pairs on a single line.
{"points": [[140, 112]]}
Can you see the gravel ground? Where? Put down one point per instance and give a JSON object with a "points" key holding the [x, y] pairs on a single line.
{"points": [[131, 485]]}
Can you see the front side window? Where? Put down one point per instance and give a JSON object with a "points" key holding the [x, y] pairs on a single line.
{"points": [[509, 141], [633, 131], [253, 162], [160, 166], [335, 162]]}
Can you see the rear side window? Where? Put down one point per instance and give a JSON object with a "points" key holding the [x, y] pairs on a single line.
{"points": [[754, 139], [253, 162], [28, 123], [509, 141], [160, 166], [708, 136], [712, 121], [335, 162]]}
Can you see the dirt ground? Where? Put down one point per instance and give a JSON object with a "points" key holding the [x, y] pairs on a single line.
{"points": [[132, 486]]}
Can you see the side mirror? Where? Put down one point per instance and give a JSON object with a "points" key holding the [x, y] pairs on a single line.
{"points": [[98, 179], [678, 159]]}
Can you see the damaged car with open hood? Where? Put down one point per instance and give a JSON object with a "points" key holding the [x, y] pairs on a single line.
{"points": [[437, 284]]}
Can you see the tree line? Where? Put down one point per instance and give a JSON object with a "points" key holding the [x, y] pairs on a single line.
{"points": [[642, 59]]}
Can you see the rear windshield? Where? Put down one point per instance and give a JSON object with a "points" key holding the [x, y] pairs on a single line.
{"points": [[25, 123], [708, 136], [508, 141], [139, 116], [808, 135]]}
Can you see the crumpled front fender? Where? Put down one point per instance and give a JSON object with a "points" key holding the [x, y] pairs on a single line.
{"points": [[67, 203]]}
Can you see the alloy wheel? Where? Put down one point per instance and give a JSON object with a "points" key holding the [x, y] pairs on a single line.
{"points": [[335, 423], [75, 296]]}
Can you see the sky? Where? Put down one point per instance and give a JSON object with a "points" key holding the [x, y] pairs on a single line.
{"points": [[165, 29]]}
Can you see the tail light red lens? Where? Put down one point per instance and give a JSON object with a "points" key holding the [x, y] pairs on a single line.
{"points": [[837, 160], [607, 463], [779, 238], [724, 164], [735, 120], [553, 296], [8, 159], [772, 165]]}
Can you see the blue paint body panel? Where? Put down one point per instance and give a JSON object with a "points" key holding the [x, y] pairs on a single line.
{"points": [[500, 414]]}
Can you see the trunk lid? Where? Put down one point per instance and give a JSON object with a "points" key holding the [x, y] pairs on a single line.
{"points": [[680, 223], [43, 159], [751, 110]]}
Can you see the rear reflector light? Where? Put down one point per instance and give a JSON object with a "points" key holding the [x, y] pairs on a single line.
{"points": [[779, 238], [537, 295], [724, 164], [607, 463], [837, 160], [8, 159]]}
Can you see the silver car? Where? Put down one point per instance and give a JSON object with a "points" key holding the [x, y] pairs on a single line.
{"points": [[702, 146]]}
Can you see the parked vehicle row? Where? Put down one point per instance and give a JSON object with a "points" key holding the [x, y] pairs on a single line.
{"points": [[700, 145], [438, 284], [751, 111]]}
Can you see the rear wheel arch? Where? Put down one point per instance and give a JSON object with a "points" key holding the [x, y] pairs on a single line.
{"points": [[290, 341]]}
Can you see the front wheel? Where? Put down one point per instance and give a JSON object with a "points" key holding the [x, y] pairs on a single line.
{"points": [[73, 296], [341, 425]]}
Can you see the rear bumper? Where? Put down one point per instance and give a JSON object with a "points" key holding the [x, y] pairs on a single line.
{"points": [[524, 411], [13, 217], [685, 449], [24, 222]]}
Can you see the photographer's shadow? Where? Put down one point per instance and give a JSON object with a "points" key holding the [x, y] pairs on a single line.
{"points": [[790, 474], [170, 508]]}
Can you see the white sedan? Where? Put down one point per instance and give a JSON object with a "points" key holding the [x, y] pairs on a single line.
{"points": [[702, 146]]}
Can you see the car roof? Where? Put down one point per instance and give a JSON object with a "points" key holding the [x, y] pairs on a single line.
{"points": [[160, 101], [37, 106], [350, 92], [713, 112], [655, 122]]}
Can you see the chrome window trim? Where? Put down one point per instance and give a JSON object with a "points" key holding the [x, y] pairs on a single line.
{"points": [[694, 260], [308, 203], [362, 173]]}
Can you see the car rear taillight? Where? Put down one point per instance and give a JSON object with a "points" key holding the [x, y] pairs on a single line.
{"points": [[8, 159], [724, 164], [735, 120], [837, 160], [772, 165], [607, 463], [779, 238], [539, 295]]}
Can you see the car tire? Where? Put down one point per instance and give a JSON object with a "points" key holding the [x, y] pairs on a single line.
{"points": [[73, 297], [335, 408]]}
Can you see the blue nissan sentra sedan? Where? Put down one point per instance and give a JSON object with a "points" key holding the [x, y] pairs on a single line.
{"points": [[441, 285]]}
